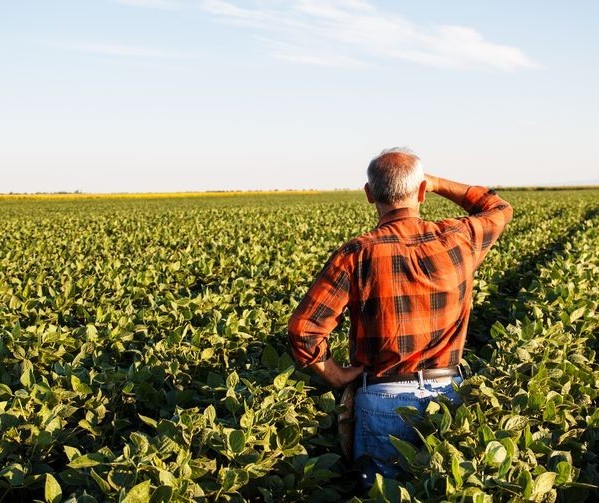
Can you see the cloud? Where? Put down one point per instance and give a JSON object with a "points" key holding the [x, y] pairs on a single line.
{"points": [[126, 51], [289, 52], [355, 32], [153, 4]]}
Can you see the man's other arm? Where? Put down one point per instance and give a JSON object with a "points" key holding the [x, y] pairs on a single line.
{"points": [[313, 320], [336, 375]]}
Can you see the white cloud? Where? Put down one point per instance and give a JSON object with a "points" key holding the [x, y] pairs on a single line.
{"points": [[127, 51], [350, 32], [153, 4], [233, 13], [298, 54]]}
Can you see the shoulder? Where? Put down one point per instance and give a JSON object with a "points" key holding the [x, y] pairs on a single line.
{"points": [[366, 244], [449, 225]]}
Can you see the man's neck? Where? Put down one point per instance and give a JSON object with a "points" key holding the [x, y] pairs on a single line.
{"points": [[382, 209]]}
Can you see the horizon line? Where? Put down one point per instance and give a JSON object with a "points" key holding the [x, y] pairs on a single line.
{"points": [[233, 192]]}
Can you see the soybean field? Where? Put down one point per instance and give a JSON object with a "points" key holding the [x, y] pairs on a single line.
{"points": [[144, 354]]}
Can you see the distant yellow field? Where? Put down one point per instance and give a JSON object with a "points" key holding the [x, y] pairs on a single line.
{"points": [[153, 195]]}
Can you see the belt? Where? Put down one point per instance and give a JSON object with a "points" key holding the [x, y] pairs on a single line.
{"points": [[419, 375]]}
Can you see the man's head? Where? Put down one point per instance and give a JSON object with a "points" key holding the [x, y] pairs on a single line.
{"points": [[395, 176]]}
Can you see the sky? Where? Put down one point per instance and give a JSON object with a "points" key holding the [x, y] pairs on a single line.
{"points": [[195, 95]]}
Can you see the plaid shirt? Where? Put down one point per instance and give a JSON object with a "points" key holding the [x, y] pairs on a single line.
{"points": [[407, 285]]}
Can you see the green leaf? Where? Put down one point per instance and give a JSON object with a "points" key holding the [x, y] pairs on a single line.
{"points": [[247, 419], [388, 491], [236, 441], [326, 461], [14, 473], [543, 484], [456, 471], [27, 376], [52, 490], [433, 407], [510, 446], [564, 473], [44, 439], [475, 495], [79, 386], [445, 420], [139, 493], [234, 479], [577, 313], [406, 449], [515, 423], [232, 380], [539, 447], [71, 452], [91, 332], [288, 437], [549, 413], [206, 354], [326, 402], [14, 302], [167, 478], [148, 420], [162, 494], [504, 467], [102, 484], [525, 482], [5, 392], [495, 453], [281, 380], [86, 461], [270, 357], [285, 361], [210, 414], [486, 434], [232, 404], [527, 437]]}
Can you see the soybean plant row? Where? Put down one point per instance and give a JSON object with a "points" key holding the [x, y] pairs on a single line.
{"points": [[143, 354]]}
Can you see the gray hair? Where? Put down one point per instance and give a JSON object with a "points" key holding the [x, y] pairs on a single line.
{"points": [[394, 175]]}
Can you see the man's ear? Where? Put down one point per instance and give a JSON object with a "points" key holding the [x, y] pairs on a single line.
{"points": [[422, 191], [368, 193]]}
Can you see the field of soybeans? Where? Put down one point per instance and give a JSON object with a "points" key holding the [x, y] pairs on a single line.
{"points": [[144, 354]]}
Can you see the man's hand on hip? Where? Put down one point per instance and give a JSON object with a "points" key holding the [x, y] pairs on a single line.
{"points": [[336, 375]]}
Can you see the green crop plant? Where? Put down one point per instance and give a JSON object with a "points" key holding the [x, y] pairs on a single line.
{"points": [[143, 354]]}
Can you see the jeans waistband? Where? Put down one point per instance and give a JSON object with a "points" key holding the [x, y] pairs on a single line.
{"points": [[418, 377]]}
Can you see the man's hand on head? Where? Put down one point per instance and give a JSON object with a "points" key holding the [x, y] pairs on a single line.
{"points": [[336, 375], [431, 182], [454, 191]]}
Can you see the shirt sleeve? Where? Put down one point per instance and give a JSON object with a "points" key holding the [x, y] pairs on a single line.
{"points": [[319, 313], [489, 215]]}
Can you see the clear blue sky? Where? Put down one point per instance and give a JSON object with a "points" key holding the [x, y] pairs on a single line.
{"points": [[185, 95]]}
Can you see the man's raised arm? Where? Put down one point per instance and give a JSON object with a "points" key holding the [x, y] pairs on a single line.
{"points": [[489, 213], [454, 191]]}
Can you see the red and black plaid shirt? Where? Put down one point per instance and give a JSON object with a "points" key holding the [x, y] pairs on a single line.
{"points": [[407, 285]]}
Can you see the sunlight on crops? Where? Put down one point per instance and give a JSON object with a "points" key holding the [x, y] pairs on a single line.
{"points": [[144, 354]]}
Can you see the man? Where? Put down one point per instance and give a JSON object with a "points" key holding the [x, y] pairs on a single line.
{"points": [[407, 285]]}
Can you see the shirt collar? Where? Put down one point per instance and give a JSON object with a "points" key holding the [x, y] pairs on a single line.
{"points": [[398, 214]]}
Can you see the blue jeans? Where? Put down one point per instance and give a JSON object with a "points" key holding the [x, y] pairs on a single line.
{"points": [[376, 418]]}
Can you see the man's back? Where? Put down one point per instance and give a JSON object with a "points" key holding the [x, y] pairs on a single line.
{"points": [[407, 285]]}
